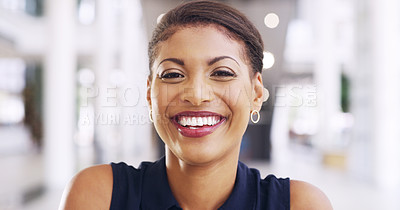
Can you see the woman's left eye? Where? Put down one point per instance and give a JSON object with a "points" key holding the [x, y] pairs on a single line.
{"points": [[223, 73]]}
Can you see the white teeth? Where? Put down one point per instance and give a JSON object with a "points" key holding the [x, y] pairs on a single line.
{"points": [[209, 120], [198, 121], [183, 121], [204, 119]]}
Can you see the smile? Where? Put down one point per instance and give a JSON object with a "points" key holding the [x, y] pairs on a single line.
{"points": [[197, 124]]}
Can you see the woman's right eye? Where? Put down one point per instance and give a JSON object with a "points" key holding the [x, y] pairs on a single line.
{"points": [[172, 77]]}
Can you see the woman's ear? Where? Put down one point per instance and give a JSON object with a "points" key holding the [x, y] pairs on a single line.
{"points": [[266, 95], [260, 94], [148, 92]]}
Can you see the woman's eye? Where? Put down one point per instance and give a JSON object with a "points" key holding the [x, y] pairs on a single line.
{"points": [[223, 73], [171, 75]]}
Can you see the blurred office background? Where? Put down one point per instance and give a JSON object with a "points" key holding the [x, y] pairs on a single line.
{"points": [[72, 94]]}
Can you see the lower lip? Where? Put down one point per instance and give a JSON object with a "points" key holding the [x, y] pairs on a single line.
{"points": [[197, 132]]}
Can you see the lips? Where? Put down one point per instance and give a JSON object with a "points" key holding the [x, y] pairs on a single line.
{"points": [[197, 124]]}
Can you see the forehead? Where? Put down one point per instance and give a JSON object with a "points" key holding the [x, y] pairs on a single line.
{"points": [[206, 40]]}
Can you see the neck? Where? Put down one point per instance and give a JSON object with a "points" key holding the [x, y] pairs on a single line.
{"points": [[205, 186]]}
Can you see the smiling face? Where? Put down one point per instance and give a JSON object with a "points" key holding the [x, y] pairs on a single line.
{"points": [[201, 94]]}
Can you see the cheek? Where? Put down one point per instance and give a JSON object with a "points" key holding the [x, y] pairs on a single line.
{"points": [[160, 98], [236, 96], [163, 96]]}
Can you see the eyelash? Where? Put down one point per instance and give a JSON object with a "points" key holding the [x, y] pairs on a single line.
{"points": [[223, 73], [171, 75]]}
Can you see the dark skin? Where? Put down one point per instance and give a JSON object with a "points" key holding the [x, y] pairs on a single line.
{"points": [[201, 171], [92, 189]]}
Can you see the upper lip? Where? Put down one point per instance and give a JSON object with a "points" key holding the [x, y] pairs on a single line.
{"points": [[196, 114]]}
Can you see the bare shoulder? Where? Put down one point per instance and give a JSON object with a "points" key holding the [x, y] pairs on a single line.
{"points": [[89, 189], [304, 196]]}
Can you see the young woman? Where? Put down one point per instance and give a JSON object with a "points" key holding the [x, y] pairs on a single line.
{"points": [[204, 85]]}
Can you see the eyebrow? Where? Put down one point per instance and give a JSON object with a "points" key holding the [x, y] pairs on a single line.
{"points": [[210, 62], [174, 60], [216, 59]]}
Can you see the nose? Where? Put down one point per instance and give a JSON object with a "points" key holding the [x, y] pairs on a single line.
{"points": [[196, 91]]}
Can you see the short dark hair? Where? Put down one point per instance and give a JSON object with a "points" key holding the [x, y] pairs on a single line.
{"points": [[195, 13]]}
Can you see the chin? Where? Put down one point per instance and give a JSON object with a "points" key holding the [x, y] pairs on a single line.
{"points": [[203, 155], [200, 158]]}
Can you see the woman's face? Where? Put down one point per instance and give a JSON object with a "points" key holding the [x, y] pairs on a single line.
{"points": [[201, 94]]}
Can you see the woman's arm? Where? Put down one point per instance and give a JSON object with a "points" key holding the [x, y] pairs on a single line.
{"points": [[304, 196], [89, 189]]}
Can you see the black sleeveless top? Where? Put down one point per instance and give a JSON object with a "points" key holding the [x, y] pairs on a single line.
{"points": [[147, 188]]}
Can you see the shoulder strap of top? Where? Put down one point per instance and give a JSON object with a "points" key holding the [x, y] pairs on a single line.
{"points": [[127, 185], [276, 191]]}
